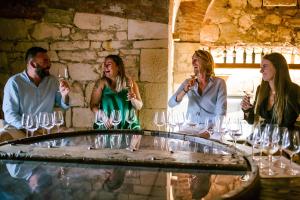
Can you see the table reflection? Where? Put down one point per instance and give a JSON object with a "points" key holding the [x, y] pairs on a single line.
{"points": [[32, 180]]}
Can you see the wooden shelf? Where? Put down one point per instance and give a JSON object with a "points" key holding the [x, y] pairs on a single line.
{"points": [[248, 65]]}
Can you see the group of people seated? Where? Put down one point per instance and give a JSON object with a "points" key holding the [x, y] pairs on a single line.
{"points": [[34, 90]]}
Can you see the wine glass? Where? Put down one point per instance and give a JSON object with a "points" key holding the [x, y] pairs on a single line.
{"points": [[47, 121], [58, 119], [209, 124], [24, 122], [116, 118], [129, 86], [248, 88], [190, 121], [100, 118], [130, 116], [179, 119], [171, 120], [270, 145], [294, 149], [40, 116], [234, 129], [32, 123], [256, 136], [159, 119], [285, 143]]}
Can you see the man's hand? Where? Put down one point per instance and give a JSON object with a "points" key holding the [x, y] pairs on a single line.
{"points": [[64, 88]]}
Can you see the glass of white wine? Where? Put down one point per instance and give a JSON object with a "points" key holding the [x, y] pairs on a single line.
{"points": [[270, 146]]}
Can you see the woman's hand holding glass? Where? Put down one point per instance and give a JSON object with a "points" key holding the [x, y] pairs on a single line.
{"points": [[129, 86]]}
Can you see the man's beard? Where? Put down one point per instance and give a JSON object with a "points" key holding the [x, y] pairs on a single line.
{"points": [[42, 73]]}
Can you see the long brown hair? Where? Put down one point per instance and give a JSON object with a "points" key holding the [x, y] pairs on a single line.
{"points": [[282, 83], [121, 78], [207, 62]]}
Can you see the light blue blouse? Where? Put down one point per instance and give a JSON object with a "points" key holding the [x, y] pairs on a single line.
{"points": [[212, 102], [21, 95]]}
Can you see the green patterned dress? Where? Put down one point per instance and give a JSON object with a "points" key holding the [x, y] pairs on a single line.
{"points": [[112, 100]]}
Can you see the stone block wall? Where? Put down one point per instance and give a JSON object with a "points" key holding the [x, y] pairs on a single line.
{"points": [[79, 42]]}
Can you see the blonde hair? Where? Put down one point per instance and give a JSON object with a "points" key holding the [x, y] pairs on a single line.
{"points": [[207, 62], [282, 83]]}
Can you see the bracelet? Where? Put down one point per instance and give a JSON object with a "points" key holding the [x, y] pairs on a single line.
{"points": [[185, 91]]}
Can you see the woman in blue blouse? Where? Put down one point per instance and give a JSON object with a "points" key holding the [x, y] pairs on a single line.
{"points": [[207, 95]]}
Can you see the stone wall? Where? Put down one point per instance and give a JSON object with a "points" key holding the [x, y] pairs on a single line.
{"points": [[238, 24], [78, 42], [231, 22]]}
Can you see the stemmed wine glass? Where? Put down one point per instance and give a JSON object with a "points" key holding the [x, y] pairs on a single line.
{"points": [[58, 119], [294, 149], [285, 143], [234, 129], [116, 118], [171, 120], [179, 119], [32, 123], [101, 118], [270, 145], [47, 121], [130, 116], [256, 136], [209, 124], [24, 122], [159, 119], [190, 121]]}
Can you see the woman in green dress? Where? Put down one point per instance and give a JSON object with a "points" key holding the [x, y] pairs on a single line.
{"points": [[116, 91]]}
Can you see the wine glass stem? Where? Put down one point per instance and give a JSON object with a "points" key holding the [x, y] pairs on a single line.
{"points": [[57, 128], [48, 131], [291, 160]]}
